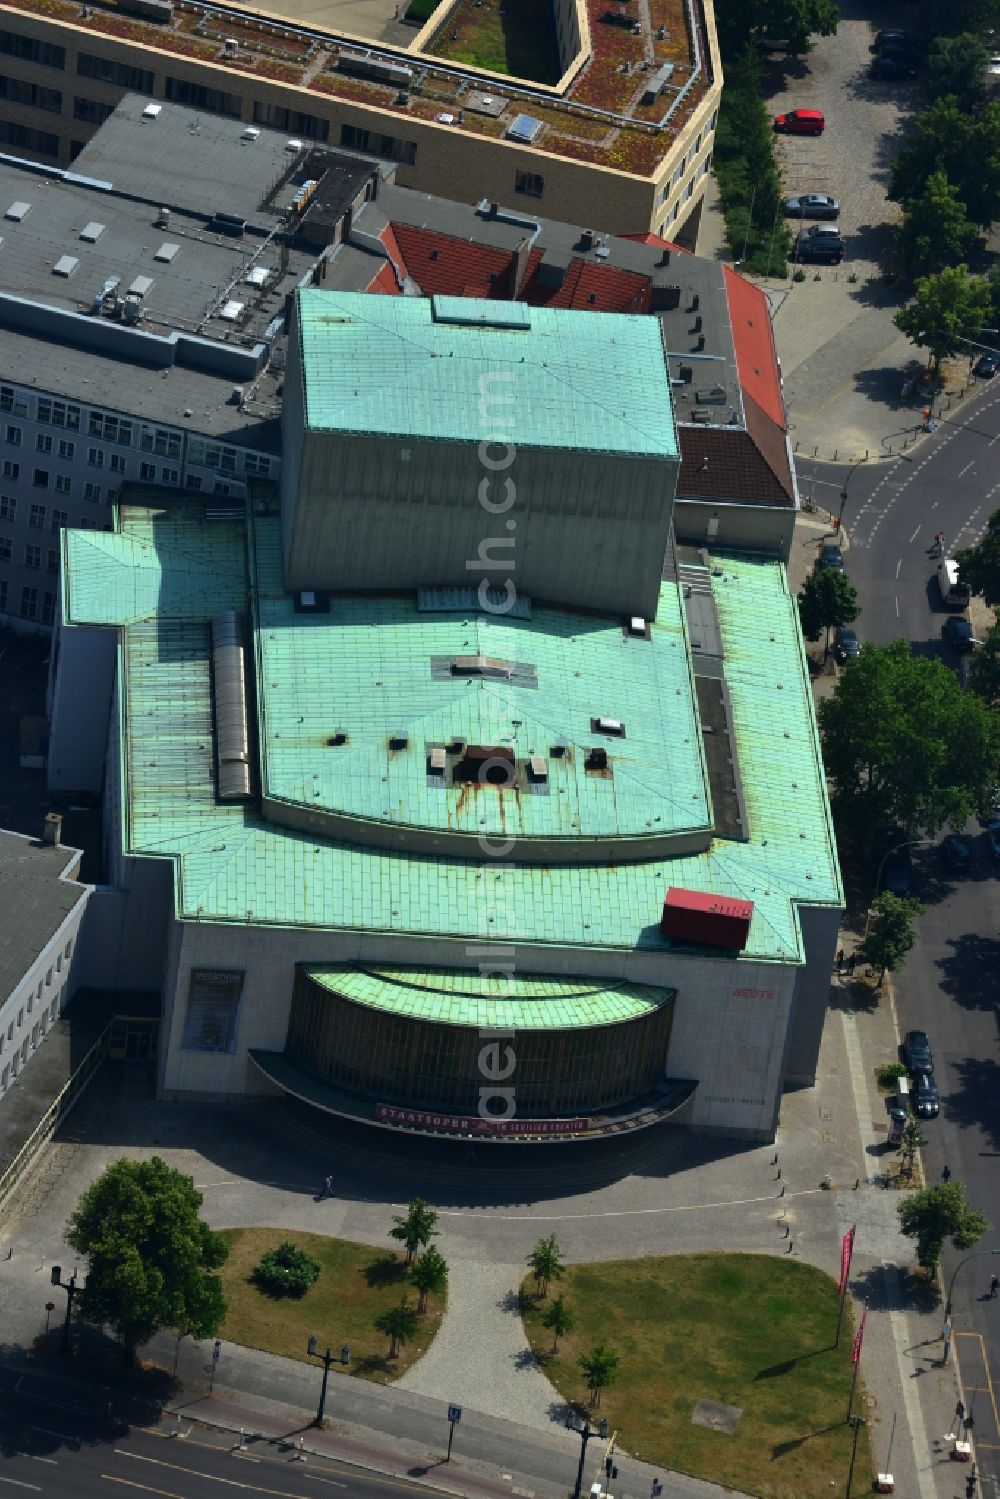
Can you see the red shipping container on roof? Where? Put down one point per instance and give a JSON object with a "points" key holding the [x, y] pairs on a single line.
{"points": [[711, 920]]}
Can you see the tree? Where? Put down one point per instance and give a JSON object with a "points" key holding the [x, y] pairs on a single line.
{"points": [[903, 743], [600, 1367], [935, 1214], [828, 600], [791, 21], [559, 1320], [429, 1273], [979, 566], [149, 1255], [546, 1263], [911, 1140], [956, 66], [965, 147], [890, 932], [415, 1228], [287, 1271], [984, 669], [936, 231], [399, 1324], [948, 309]]}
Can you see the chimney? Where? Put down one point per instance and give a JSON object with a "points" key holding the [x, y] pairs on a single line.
{"points": [[518, 266], [52, 830]]}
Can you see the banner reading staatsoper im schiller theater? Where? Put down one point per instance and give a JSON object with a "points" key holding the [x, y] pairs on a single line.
{"points": [[462, 1124]]}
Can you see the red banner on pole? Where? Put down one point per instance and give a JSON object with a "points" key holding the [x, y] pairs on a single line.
{"points": [[846, 1255], [860, 1337]]}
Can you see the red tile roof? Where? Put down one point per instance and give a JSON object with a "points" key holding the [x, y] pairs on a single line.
{"points": [[749, 467], [655, 239], [602, 287], [385, 283], [756, 360], [442, 265]]}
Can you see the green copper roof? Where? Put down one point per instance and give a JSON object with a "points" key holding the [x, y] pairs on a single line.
{"points": [[232, 866], [491, 1002], [372, 668], [448, 367]]}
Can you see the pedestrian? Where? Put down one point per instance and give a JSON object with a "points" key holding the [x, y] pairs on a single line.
{"points": [[852, 962], [840, 959], [327, 1187], [946, 1172], [994, 1287]]}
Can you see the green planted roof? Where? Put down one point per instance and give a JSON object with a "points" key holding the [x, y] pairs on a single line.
{"points": [[232, 866], [464, 369], [491, 1001]]}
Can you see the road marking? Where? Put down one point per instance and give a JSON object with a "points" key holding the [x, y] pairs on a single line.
{"points": [[233, 1483], [36, 1459], [320, 1479], [19, 1485], [897, 607], [914, 536], [965, 470], [64, 1436], [900, 563], [130, 1483], [691, 1207]]}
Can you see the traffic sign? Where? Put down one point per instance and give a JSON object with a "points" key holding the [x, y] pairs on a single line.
{"points": [[217, 1351], [454, 1413]]}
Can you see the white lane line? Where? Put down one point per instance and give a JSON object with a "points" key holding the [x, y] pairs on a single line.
{"points": [[691, 1207], [232, 1483], [318, 1477], [19, 1485], [914, 536], [47, 1431], [898, 566], [965, 470], [36, 1459], [897, 606]]}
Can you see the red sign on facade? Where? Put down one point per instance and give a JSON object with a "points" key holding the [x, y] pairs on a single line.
{"points": [[471, 1124]]}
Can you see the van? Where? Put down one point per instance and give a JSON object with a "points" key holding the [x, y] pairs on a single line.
{"points": [[954, 594]]}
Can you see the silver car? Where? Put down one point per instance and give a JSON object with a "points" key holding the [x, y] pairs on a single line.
{"points": [[812, 206]]}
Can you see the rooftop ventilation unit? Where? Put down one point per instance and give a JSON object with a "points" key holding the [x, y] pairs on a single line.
{"points": [[597, 759], [366, 65], [538, 769], [250, 133], [257, 275], [481, 666], [18, 211], [608, 726], [229, 700], [91, 232], [228, 223], [399, 741], [163, 219], [141, 286], [637, 626], [436, 761], [293, 145], [166, 253], [232, 310], [65, 265], [151, 111], [230, 46], [524, 128], [337, 738]]}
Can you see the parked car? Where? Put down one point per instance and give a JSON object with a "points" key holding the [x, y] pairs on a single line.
{"points": [[897, 872], [986, 365], [801, 122], [897, 41], [926, 1101], [846, 644], [893, 65], [993, 837], [957, 852], [821, 242], [958, 633], [917, 1052], [831, 556], [812, 206]]}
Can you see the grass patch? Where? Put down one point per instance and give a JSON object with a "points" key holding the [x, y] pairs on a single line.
{"points": [[355, 1285], [521, 42], [752, 1331]]}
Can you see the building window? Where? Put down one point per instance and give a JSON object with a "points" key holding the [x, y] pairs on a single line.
{"points": [[92, 110], [215, 100], [34, 95], [92, 493], [119, 73], [64, 484], [6, 548], [12, 44], [3, 595], [529, 183], [194, 481], [6, 398], [292, 120], [111, 428], [59, 519], [32, 556], [170, 475], [40, 478], [59, 414], [29, 607], [43, 443], [37, 517], [689, 190], [117, 463], [53, 566], [66, 449], [48, 608], [220, 488], [95, 457], [356, 138], [11, 470], [14, 436], [256, 463], [161, 442], [147, 471], [26, 138], [8, 507]]}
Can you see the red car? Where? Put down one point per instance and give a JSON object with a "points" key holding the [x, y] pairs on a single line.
{"points": [[801, 122]]}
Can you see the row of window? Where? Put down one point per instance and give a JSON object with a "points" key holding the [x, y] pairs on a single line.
{"points": [[36, 515], [63, 484], [19, 91], [29, 603], [32, 555], [21, 1050]]}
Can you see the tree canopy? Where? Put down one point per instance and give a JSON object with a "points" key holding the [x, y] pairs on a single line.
{"points": [[936, 1214], [546, 1263], [965, 147], [790, 21], [559, 1320], [936, 230], [947, 310], [429, 1273], [399, 1323], [828, 601], [984, 668], [952, 17], [600, 1369], [149, 1255], [414, 1228], [956, 65], [979, 566], [904, 743], [891, 932]]}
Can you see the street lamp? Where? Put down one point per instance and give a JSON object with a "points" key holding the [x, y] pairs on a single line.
{"points": [[584, 1432], [856, 1424], [843, 491], [977, 1254], [312, 1348], [72, 1289]]}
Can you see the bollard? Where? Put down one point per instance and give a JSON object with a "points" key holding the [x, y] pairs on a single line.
{"points": [[788, 1229], [775, 1161], [782, 1192], [778, 1177], [788, 1247], [857, 1183], [835, 452], [299, 1455]]}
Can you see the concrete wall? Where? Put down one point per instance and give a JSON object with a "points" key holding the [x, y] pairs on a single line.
{"points": [[389, 514], [759, 528], [729, 1031], [79, 707], [820, 930]]}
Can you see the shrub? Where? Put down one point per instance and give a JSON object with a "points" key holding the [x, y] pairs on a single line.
{"points": [[286, 1271], [888, 1074]]}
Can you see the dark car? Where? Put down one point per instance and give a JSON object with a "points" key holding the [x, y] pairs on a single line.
{"points": [[957, 852], [831, 556], [801, 122], [986, 366], [898, 42], [812, 206], [926, 1101], [893, 65], [917, 1050], [846, 644], [897, 872], [826, 247], [993, 837], [958, 633]]}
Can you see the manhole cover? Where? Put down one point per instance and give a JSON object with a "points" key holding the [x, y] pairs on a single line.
{"points": [[880, 1129], [716, 1416], [824, 1114]]}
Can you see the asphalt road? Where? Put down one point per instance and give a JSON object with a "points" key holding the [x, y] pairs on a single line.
{"points": [[950, 986], [57, 1450]]}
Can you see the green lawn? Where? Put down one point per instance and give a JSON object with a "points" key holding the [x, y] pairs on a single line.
{"points": [[521, 42], [752, 1331], [357, 1283]]}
